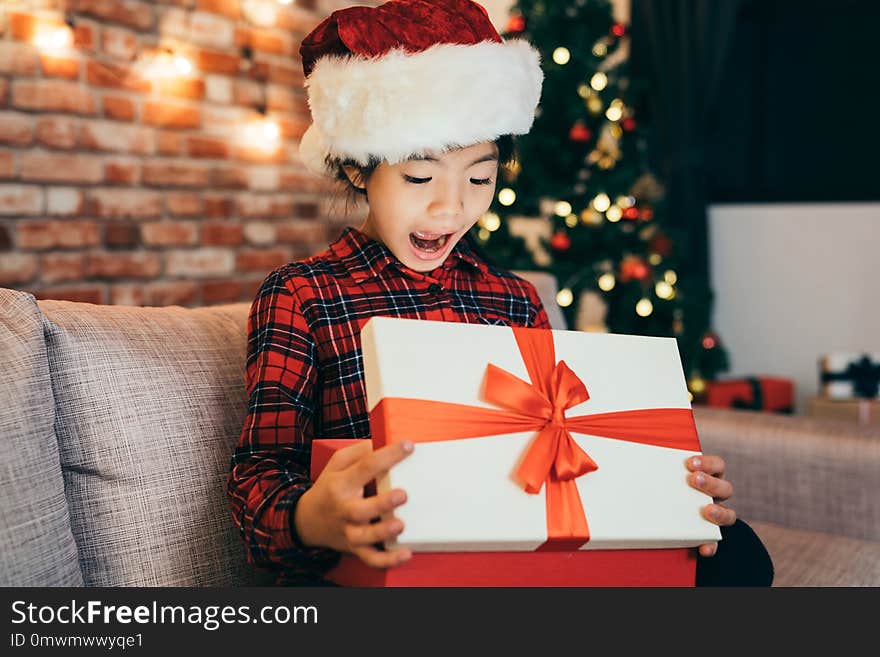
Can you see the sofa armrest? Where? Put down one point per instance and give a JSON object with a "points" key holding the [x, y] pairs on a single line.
{"points": [[799, 472]]}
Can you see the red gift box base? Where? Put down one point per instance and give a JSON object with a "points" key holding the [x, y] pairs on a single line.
{"points": [[571, 568], [660, 567]]}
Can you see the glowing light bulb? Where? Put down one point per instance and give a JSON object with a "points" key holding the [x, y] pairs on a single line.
{"points": [[655, 258], [584, 91], [698, 384], [506, 196], [564, 297], [562, 208], [491, 222], [561, 56], [53, 38], [613, 113], [606, 282], [614, 213], [590, 217], [644, 307], [670, 277], [600, 49], [270, 130], [663, 289], [483, 234], [599, 81], [183, 65], [601, 202], [571, 221]]}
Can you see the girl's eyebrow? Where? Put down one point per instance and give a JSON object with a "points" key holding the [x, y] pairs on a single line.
{"points": [[427, 158]]}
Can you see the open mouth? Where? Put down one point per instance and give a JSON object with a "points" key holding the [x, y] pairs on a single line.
{"points": [[429, 244]]}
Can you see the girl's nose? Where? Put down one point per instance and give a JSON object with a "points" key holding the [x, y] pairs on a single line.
{"points": [[449, 201]]}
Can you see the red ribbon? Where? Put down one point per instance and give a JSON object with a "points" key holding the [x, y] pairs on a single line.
{"points": [[553, 457]]}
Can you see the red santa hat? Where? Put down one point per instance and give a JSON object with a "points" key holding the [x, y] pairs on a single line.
{"points": [[411, 76]]}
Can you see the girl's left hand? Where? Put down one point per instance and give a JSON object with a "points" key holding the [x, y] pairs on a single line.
{"points": [[707, 476]]}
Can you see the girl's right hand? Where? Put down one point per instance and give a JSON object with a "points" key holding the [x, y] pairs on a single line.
{"points": [[334, 512]]}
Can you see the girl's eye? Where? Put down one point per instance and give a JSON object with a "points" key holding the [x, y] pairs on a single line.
{"points": [[422, 181]]}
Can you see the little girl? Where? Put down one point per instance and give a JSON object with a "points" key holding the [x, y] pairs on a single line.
{"points": [[414, 104]]}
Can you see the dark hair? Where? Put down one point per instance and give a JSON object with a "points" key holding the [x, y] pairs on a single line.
{"points": [[506, 157]]}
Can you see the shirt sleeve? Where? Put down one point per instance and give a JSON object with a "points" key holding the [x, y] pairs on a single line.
{"points": [[270, 464]]}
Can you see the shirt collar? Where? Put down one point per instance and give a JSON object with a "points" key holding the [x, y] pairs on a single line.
{"points": [[364, 258]]}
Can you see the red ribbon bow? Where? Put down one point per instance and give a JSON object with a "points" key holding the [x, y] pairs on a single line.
{"points": [[553, 457]]}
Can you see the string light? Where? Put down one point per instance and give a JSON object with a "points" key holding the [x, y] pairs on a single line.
{"points": [[584, 91], [600, 49], [183, 65], [53, 37], [599, 81], [490, 221], [655, 258], [614, 213], [565, 297], [262, 133], [590, 217], [484, 234], [613, 113], [165, 64], [698, 384], [507, 196], [571, 221], [601, 202], [561, 56], [644, 307], [606, 282], [562, 208], [664, 290], [670, 277]]}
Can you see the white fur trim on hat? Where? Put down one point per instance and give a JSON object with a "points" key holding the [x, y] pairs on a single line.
{"points": [[402, 104]]}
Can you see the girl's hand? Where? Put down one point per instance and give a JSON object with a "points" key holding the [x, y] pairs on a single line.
{"points": [[334, 512], [708, 477]]}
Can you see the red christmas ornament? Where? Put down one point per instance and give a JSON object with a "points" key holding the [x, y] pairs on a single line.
{"points": [[618, 29], [579, 132], [560, 241], [631, 213], [660, 244], [646, 215], [516, 24], [633, 267], [628, 124], [709, 341]]}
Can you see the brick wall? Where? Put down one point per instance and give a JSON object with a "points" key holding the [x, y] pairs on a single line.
{"points": [[128, 177]]}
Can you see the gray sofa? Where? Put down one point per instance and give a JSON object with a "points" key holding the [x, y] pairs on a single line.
{"points": [[117, 424]]}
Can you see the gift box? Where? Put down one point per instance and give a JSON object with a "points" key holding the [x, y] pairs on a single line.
{"points": [[674, 567], [520, 451], [850, 375], [775, 395], [861, 411]]}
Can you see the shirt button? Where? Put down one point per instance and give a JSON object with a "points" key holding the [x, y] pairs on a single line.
{"points": [[435, 288]]}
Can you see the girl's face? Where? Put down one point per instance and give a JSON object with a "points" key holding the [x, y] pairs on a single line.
{"points": [[422, 207]]}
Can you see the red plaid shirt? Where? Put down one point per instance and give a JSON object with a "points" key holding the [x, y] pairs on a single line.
{"points": [[305, 374]]}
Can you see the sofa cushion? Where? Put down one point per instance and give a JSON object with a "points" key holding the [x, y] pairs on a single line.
{"points": [[805, 558], [35, 536], [801, 472], [149, 404]]}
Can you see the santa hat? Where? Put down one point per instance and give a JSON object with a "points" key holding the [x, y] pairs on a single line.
{"points": [[410, 76]]}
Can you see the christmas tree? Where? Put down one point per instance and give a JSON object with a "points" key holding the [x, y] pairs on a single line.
{"points": [[580, 200]]}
